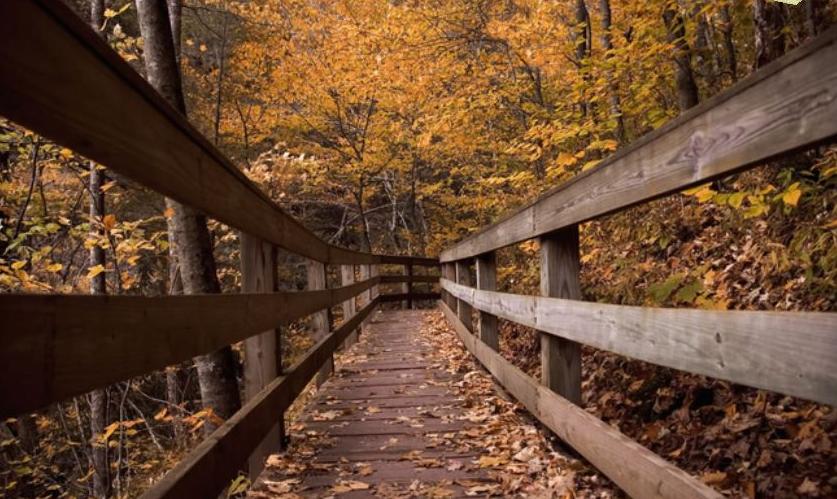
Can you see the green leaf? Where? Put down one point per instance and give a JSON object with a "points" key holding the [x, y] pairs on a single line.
{"points": [[661, 291], [689, 292]]}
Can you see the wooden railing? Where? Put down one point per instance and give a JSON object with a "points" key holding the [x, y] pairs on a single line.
{"points": [[61, 80], [787, 106]]}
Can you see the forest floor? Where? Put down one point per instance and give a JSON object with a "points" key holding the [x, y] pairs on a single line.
{"points": [[465, 439], [742, 441]]}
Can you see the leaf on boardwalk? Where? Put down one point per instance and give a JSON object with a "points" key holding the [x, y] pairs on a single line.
{"points": [[345, 486]]}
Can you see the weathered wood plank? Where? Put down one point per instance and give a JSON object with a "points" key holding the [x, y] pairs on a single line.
{"points": [[106, 111], [54, 347], [384, 418], [785, 106], [347, 277], [635, 469], [409, 286], [321, 319], [262, 352], [209, 468], [463, 309], [487, 279], [449, 273], [560, 357], [787, 352]]}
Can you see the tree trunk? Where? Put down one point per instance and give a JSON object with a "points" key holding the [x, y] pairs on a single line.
{"points": [[607, 43], [583, 41], [191, 238], [27, 433], [98, 399], [687, 91], [175, 21], [769, 18], [701, 48], [729, 44]]}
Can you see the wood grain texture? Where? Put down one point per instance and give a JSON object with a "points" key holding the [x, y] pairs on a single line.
{"points": [[210, 467], [347, 277], [54, 347], [785, 106], [262, 351], [787, 352], [486, 265], [560, 357], [463, 308], [635, 469], [365, 272], [320, 320], [404, 424], [106, 111]]}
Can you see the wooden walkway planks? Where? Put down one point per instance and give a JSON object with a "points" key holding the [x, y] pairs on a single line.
{"points": [[386, 419]]}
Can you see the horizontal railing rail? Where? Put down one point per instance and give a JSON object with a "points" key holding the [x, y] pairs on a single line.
{"points": [[61, 80], [106, 111], [211, 466], [788, 105], [635, 469], [785, 107], [54, 347], [787, 352]]}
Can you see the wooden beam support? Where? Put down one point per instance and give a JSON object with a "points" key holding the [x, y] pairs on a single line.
{"points": [[320, 326], [262, 351], [463, 309], [487, 280], [366, 296], [632, 467], [347, 276], [55, 346], [106, 111], [560, 357], [786, 106], [410, 277], [374, 272], [407, 286], [793, 353], [210, 467]]}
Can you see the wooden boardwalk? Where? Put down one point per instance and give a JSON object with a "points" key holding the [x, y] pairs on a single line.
{"points": [[390, 419]]}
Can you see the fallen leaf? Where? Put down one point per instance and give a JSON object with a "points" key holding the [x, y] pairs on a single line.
{"points": [[809, 487], [713, 477]]}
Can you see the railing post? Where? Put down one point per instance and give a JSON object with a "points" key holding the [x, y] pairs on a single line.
{"points": [[262, 353], [487, 281], [463, 309], [561, 358], [405, 289], [409, 268], [347, 277], [364, 298], [449, 272], [320, 326]]}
